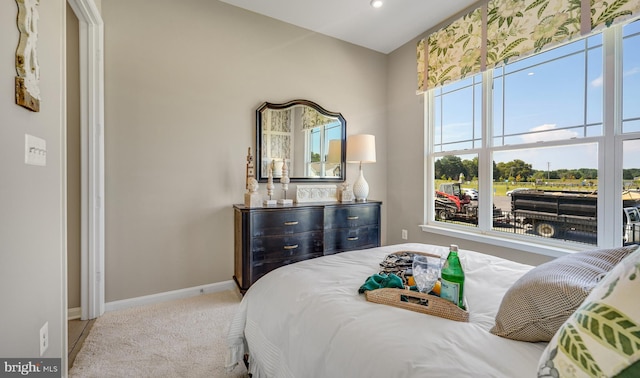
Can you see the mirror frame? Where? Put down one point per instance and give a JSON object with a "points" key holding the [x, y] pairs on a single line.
{"points": [[273, 106]]}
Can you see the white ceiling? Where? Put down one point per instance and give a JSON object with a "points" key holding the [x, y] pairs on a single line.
{"points": [[383, 29]]}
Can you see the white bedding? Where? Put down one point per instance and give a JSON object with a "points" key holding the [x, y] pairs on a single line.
{"points": [[308, 320]]}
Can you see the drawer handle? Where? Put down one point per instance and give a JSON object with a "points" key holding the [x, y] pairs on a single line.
{"points": [[353, 217], [293, 223], [352, 238], [291, 246]]}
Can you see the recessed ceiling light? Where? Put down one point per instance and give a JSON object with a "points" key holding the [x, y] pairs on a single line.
{"points": [[376, 3]]}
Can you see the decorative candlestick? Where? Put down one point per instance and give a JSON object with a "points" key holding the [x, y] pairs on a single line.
{"points": [[270, 186], [284, 180]]}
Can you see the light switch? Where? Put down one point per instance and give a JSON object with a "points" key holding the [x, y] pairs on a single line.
{"points": [[35, 150]]}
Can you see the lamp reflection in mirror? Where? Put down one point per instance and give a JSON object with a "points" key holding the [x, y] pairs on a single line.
{"points": [[361, 149], [334, 157]]}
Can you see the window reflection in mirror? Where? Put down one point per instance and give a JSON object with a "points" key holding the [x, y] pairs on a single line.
{"points": [[309, 138]]}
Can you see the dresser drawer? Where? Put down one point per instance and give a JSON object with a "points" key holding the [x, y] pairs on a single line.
{"points": [[345, 239], [259, 269], [265, 223], [352, 216], [282, 247]]}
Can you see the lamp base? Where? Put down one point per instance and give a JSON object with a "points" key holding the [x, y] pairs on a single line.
{"points": [[361, 187]]}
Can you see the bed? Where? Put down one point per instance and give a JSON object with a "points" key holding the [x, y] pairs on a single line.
{"points": [[308, 320]]}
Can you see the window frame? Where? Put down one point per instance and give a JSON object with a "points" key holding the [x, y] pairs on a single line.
{"points": [[610, 170], [323, 146]]}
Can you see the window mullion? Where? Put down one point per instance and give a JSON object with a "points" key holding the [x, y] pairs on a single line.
{"points": [[485, 161], [429, 134], [610, 151]]}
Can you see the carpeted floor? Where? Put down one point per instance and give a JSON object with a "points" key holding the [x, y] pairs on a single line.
{"points": [[181, 338]]}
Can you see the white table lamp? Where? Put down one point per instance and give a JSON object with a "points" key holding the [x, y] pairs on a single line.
{"points": [[361, 148]]}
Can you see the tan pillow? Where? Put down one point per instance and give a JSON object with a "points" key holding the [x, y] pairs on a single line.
{"points": [[541, 301]]}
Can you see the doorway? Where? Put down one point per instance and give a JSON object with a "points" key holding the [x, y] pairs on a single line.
{"points": [[90, 101]]}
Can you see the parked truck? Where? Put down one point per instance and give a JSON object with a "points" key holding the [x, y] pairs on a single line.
{"points": [[552, 213], [452, 203]]}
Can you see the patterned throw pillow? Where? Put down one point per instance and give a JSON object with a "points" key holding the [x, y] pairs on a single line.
{"points": [[538, 303], [602, 338]]}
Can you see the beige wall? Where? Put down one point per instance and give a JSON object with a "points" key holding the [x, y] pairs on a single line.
{"points": [[73, 160], [32, 198], [405, 169], [182, 81]]}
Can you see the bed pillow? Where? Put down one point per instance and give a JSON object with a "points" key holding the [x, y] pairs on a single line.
{"points": [[540, 301], [602, 338]]}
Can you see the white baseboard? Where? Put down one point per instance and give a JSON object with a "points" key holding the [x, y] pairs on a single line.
{"points": [[74, 313], [169, 295]]}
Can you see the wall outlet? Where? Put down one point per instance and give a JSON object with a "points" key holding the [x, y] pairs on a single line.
{"points": [[405, 234], [44, 338]]}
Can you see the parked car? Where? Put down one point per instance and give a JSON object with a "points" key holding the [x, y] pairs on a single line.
{"points": [[631, 220], [472, 193], [516, 190]]}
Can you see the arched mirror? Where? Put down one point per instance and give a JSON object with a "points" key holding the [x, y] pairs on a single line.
{"points": [[310, 139]]}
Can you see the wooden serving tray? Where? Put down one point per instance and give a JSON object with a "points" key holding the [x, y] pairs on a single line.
{"points": [[419, 302]]}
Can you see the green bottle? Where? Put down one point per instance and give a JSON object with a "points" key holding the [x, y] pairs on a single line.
{"points": [[453, 278]]}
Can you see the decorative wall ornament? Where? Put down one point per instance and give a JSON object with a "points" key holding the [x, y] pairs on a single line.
{"points": [[27, 68], [316, 193]]}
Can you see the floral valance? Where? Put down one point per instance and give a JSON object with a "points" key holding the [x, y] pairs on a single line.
{"points": [[312, 119], [507, 30], [463, 40]]}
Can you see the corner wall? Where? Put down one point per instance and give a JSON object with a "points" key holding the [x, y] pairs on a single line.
{"points": [[182, 82], [33, 198]]}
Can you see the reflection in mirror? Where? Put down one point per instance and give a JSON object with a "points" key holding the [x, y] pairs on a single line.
{"points": [[310, 139]]}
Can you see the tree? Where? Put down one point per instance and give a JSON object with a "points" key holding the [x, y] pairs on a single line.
{"points": [[471, 168], [449, 166]]}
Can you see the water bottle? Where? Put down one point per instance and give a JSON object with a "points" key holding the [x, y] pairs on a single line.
{"points": [[452, 288]]}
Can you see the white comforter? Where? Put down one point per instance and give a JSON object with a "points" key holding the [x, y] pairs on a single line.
{"points": [[308, 320]]}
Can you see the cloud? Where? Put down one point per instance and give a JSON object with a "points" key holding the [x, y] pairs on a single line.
{"points": [[632, 71], [547, 132], [597, 82]]}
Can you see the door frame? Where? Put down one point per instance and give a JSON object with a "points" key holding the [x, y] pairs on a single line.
{"points": [[92, 233]]}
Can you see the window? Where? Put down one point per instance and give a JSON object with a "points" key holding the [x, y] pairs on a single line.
{"points": [[323, 144], [540, 141]]}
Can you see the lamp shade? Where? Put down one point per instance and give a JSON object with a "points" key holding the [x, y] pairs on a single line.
{"points": [[361, 148]]}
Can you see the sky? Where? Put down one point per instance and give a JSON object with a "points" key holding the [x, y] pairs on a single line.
{"points": [[534, 113]]}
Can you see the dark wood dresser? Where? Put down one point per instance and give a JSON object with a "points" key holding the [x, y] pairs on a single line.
{"points": [[269, 237]]}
